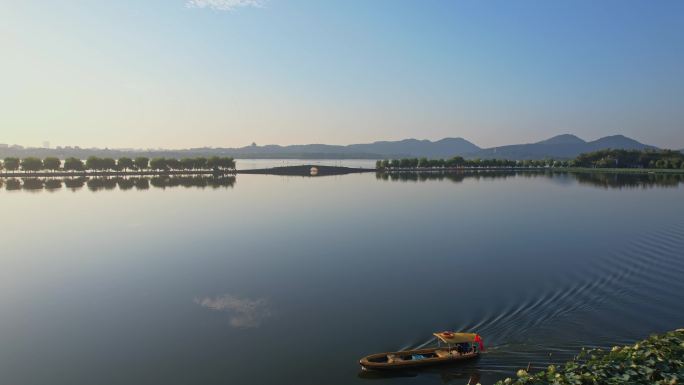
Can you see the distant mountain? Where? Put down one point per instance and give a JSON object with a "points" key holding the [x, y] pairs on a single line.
{"points": [[563, 139], [559, 147], [618, 141], [444, 148]]}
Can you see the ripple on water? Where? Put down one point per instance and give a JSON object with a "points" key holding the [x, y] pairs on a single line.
{"points": [[640, 283]]}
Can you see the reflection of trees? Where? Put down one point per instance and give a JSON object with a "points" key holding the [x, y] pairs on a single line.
{"points": [[604, 180], [12, 184], [192, 181], [33, 184], [96, 184], [141, 183], [123, 183], [607, 180], [126, 183], [53, 184], [75, 183], [454, 176]]}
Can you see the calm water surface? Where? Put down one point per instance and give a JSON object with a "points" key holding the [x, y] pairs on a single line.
{"points": [[268, 279]]}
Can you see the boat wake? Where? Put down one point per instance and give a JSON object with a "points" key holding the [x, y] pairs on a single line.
{"points": [[648, 272]]}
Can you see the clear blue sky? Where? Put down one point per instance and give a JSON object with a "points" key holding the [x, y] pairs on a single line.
{"points": [[179, 73]]}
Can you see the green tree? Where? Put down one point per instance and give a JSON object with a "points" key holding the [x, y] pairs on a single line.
{"points": [[11, 164], [458, 161], [158, 164], [201, 163], [93, 163], [73, 164], [108, 164], [674, 163], [214, 162], [188, 163], [52, 163], [142, 163], [217, 163], [173, 164], [125, 163], [31, 164]]}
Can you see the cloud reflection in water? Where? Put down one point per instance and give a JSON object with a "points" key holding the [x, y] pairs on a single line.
{"points": [[244, 312]]}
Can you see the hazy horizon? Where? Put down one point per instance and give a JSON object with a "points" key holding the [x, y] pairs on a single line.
{"points": [[55, 145], [225, 73]]}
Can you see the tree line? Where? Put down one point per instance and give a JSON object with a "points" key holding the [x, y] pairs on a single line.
{"points": [[94, 163], [660, 159], [458, 162]]}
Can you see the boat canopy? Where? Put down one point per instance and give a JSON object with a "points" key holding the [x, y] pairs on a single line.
{"points": [[457, 338]]}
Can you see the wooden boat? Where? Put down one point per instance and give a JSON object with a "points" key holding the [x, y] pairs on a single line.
{"points": [[458, 347]]}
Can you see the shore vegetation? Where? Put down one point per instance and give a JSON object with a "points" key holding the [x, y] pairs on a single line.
{"points": [[657, 360], [613, 159]]}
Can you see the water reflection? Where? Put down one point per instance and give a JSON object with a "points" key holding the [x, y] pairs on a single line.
{"points": [[456, 373], [619, 181], [244, 312], [342, 266], [603, 180], [111, 183]]}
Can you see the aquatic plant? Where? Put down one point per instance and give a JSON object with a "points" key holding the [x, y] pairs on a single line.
{"points": [[657, 360]]}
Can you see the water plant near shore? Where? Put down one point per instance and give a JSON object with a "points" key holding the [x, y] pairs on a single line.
{"points": [[657, 360]]}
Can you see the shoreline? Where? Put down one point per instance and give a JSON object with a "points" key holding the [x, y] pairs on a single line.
{"points": [[304, 170], [654, 360], [44, 174], [539, 169]]}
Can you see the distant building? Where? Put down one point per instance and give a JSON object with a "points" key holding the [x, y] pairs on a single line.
{"points": [[46, 144], [3, 145]]}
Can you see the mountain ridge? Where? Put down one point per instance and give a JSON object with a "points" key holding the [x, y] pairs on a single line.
{"points": [[563, 146]]}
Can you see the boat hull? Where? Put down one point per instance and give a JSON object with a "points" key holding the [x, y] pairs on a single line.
{"points": [[410, 359]]}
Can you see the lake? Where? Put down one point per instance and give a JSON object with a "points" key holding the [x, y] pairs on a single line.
{"points": [[263, 279]]}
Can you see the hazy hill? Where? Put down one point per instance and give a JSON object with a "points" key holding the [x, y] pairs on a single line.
{"points": [[443, 148], [619, 141], [562, 146], [563, 139], [447, 147]]}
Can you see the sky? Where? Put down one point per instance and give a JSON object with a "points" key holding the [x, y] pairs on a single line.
{"points": [[226, 73]]}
